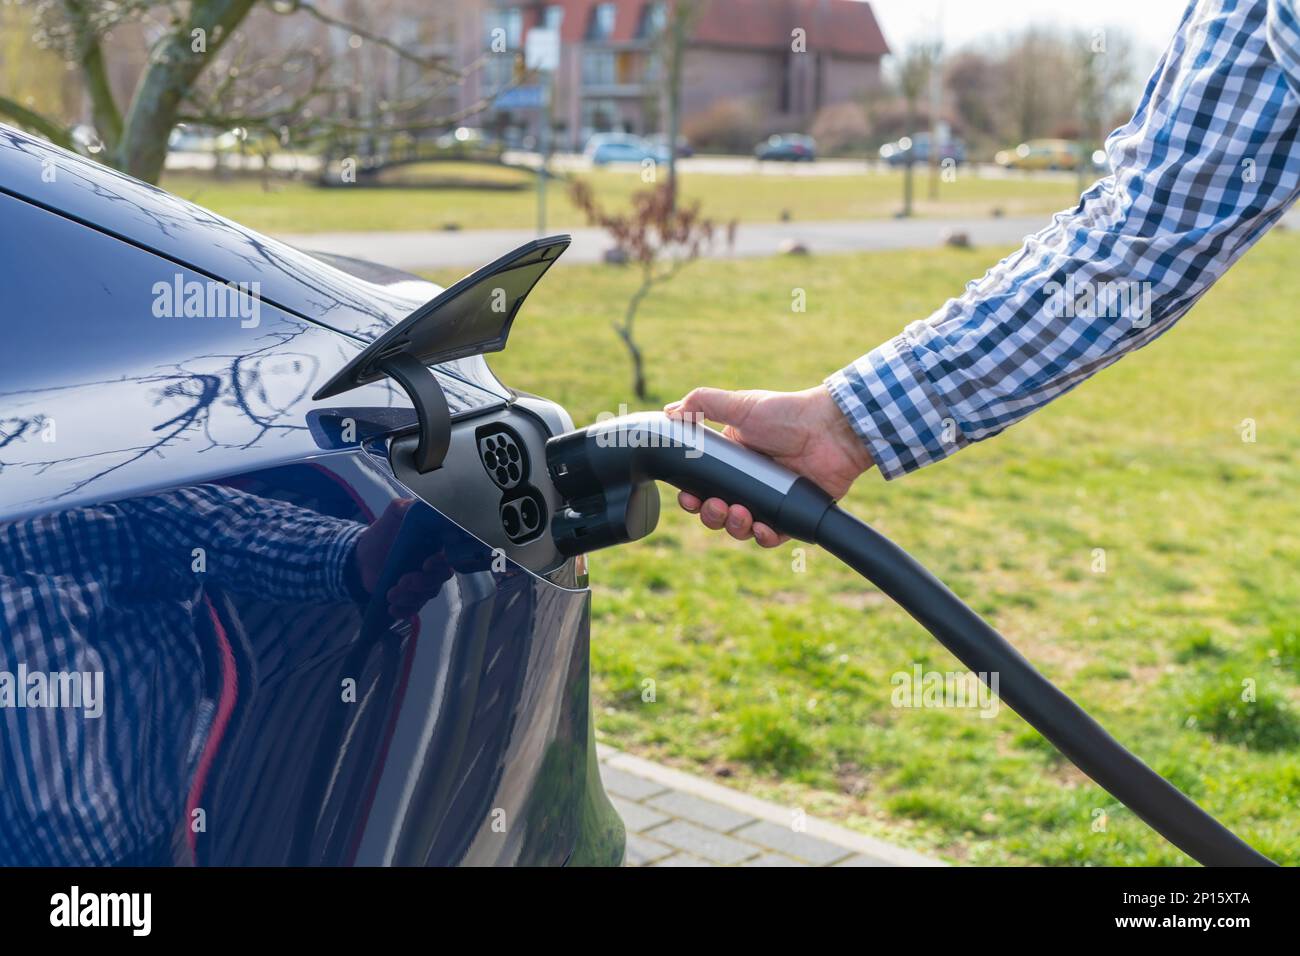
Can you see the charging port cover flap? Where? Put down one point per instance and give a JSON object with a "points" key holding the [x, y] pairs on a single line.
{"points": [[470, 317]]}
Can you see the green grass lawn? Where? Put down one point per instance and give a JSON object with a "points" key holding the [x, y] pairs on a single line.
{"points": [[302, 207], [778, 681]]}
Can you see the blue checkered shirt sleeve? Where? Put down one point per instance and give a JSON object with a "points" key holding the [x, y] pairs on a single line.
{"points": [[1209, 161]]}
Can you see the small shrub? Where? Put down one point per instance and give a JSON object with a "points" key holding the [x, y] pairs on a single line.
{"points": [[729, 125], [1266, 723], [1197, 645], [840, 129], [766, 736]]}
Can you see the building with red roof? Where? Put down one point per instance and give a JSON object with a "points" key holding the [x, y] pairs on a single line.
{"points": [[780, 61]]}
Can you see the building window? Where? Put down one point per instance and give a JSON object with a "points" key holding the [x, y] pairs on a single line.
{"points": [[553, 17], [654, 17], [511, 20], [599, 68], [601, 25], [498, 71]]}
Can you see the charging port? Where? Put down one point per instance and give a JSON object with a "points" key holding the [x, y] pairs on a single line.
{"points": [[503, 455], [524, 517]]}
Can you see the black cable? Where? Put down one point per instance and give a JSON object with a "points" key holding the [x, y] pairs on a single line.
{"points": [[1031, 695], [601, 470]]}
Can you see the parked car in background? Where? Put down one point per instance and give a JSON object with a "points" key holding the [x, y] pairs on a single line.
{"points": [[659, 142], [787, 147], [605, 148], [294, 533], [1041, 154], [916, 149]]}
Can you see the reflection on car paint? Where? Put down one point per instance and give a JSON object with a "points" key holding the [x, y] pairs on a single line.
{"points": [[300, 666]]}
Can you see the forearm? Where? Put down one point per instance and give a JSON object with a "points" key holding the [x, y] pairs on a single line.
{"points": [[256, 546]]}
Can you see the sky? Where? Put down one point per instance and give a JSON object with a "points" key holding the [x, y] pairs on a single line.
{"points": [[1150, 22]]}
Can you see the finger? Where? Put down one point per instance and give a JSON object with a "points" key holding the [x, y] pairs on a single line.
{"points": [[421, 582], [714, 514], [766, 537], [740, 523], [409, 591], [689, 502], [715, 404], [397, 510]]}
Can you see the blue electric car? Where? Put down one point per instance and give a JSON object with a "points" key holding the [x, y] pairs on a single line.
{"points": [[277, 584]]}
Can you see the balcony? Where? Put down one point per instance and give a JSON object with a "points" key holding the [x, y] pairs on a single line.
{"points": [[617, 72]]}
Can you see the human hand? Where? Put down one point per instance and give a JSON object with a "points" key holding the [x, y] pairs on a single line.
{"points": [[414, 588], [804, 431]]}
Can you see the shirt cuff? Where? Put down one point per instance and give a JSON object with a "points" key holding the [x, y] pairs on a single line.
{"points": [[895, 409], [338, 549]]}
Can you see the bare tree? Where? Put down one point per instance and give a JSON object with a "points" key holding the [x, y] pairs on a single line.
{"points": [[656, 237], [680, 20], [198, 72], [1104, 64], [914, 69]]}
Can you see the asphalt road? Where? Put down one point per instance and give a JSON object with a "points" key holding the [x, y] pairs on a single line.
{"points": [[433, 249]]}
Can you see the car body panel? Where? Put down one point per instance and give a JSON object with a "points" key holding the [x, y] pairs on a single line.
{"points": [[362, 306], [158, 468], [129, 401]]}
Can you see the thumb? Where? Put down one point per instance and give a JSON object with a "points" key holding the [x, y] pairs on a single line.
{"points": [[715, 404], [393, 515]]}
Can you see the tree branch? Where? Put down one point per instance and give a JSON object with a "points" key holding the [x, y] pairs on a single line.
{"points": [[434, 63], [104, 108], [36, 123]]}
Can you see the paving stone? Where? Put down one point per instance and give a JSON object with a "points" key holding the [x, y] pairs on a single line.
{"points": [[628, 785], [859, 859], [708, 844], [772, 859], [637, 816], [680, 859], [704, 812], [643, 850], [788, 841]]}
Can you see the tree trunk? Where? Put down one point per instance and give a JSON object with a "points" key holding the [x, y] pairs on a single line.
{"points": [[908, 164], [625, 332], [103, 108], [173, 68], [638, 362], [677, 53]]}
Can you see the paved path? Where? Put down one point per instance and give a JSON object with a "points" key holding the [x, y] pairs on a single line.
{"points": [[677, 819], [474, 247]]}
